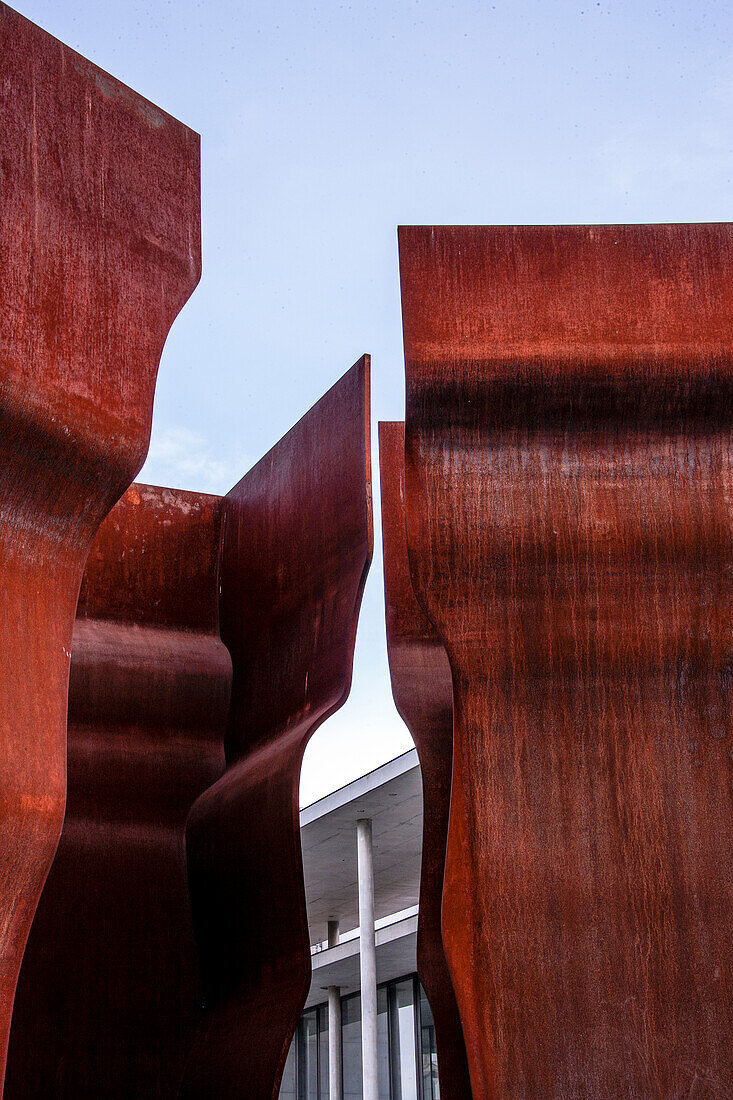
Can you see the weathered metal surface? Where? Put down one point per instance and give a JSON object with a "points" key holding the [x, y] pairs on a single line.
{"points": [[423, 694], [568, 501], [99, 242], [108, 999], [297, 546]]}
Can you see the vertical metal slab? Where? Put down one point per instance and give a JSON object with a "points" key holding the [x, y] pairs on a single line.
{"points": [[100, 248], [297, 547], [568, 500], [423, 694], [108, 996]]}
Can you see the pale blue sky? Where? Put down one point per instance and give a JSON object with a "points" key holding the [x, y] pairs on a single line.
{"points": [[324, 126]]}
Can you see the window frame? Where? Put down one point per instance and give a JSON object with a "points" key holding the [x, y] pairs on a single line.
{"points": [[321, 1015]]}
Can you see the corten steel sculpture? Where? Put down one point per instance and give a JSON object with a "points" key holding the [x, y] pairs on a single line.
{"points": [[423, 694], [568, 481], [108, 997], [99, 240], [296, 550]]}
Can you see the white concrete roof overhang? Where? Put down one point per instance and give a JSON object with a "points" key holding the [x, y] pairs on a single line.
{"points": [[396, 956], [391, 796]]}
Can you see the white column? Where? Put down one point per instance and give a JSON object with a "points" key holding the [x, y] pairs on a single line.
{"points": [[334, 933], [335, 1070], [335, 1067], [368, 960]]}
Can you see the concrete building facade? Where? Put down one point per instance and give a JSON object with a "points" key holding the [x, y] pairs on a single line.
{"points": [[367, 1031]]}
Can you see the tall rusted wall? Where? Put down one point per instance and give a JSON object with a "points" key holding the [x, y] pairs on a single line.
{"points": [[108, 997], [296, 550], [423, 695], [100, 248], [568, 472]]}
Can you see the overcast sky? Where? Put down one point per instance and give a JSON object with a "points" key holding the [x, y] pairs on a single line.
{"points": [[324, 126]]}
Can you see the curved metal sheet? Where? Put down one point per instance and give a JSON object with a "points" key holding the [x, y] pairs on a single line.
{"points": [[568, 463], [297, 547], [100, 248], [423, 694], [108, 997]]}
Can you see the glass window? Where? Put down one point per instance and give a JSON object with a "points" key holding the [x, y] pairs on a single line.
{"points": [[323, 1052], [430, 1083], [404, 1040], [308, 1056], [351, 1046], [306, 1070], [287, 1088], [383, 1042], [407, 1059]]}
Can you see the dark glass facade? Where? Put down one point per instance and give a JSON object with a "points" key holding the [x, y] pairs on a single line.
{"points": [[408, 1068], [306, 1070]]}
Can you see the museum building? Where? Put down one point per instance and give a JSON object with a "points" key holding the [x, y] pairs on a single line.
{"points": [[366, 1012]]}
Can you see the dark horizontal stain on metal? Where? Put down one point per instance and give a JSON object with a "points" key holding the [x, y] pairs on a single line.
{"points": [[568, 464]]}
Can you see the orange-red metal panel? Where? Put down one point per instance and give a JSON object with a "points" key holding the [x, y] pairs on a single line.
{"points": [[297, 546], [423, 694], [108, 996], [99, 243], [568, 473]]}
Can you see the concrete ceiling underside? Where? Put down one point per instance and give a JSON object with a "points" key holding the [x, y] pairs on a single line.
{"points": [[391, 796]]}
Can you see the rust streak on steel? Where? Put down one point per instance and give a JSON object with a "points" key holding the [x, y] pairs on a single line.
{"points": [[423, 694], [297, 547], [108, 1000], [568, 501], [99, 240]]}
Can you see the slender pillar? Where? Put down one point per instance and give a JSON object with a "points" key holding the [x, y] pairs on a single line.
{"points": [[335, 1067], [368, 960]]}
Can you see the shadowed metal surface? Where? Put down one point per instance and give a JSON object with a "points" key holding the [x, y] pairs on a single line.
{"points": [[108, 997], [297, 546], [423, 694], [99, 241], [568, 500]]}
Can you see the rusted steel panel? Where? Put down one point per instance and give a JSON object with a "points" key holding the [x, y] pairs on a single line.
{"points": [[568, 474], [423, 694], [99, 244], [297, 546], [108, 997]]}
